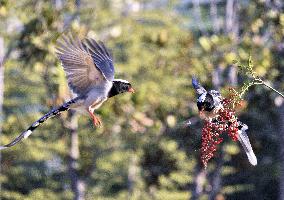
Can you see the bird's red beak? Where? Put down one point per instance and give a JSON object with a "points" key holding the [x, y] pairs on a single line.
{"points": [[131, 90]]}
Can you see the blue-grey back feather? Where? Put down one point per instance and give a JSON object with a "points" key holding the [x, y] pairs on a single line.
{"points": [[195, 83], [198, 88]]}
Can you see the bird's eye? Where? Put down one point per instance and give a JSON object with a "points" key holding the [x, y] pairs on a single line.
{"points": [[124, 88]]}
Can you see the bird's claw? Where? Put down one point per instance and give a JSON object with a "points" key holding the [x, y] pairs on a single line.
{"points": [[97, 122]]}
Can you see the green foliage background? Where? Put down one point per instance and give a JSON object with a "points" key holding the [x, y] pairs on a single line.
{"points": [[143, 151]]}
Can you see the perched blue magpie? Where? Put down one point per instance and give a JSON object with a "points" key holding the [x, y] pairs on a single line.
{"points": [[209, 104]]}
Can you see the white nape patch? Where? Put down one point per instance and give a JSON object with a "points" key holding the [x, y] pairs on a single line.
{"points": [[27, 134], [202, 97], [121, 80]]}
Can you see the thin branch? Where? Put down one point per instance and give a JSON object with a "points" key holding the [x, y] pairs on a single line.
{"points": [[261, 82], [254, 79]]}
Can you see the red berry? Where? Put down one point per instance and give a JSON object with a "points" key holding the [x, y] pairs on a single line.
{"points": [[226, 122]]}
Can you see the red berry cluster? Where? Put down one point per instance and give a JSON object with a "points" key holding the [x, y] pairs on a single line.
{"points": [[224, 122], [210, 139], [227, 116]]}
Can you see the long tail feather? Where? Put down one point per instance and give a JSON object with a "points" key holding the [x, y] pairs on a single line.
{"points": [[244, 140], [36, 124]]}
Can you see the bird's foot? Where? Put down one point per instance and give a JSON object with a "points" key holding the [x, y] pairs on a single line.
{"points": [[97, 122]]}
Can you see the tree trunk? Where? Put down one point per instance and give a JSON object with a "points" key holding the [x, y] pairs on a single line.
{"points": [[281, 110], [198, 184], [232, 18], [217, 79], [233, 76], [1, 89], [214, 16], [216, 180], [132, 175], [216, 177], [198, 17], [1, 80], [229, 16], [77, 184], [232, 21]]}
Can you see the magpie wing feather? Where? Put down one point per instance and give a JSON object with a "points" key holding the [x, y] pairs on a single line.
{"points": [[101, 57], [81, 71]]}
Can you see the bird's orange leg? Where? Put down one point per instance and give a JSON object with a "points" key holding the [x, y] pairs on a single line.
{"points": [[96, 120]]}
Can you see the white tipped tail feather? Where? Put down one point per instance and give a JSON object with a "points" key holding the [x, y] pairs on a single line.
{"points": [[244, 140], [28, 132]]}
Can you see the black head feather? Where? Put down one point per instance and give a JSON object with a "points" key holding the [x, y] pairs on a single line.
{"points": [[119, 86], [207, 104]]}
